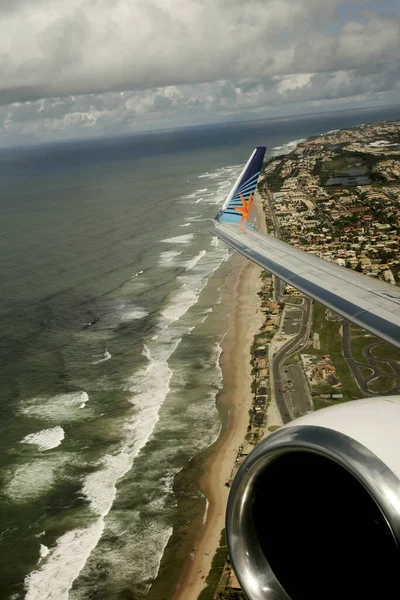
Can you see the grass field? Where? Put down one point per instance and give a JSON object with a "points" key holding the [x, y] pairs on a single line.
{"points": [[366, 371], [331, 343], [386, 352], [382, 384], [360, 341], [293, 300], [293, 360], [336, 165]]}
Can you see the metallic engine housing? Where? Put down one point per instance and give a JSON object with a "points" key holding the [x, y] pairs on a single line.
{"points": [[369, 420]]}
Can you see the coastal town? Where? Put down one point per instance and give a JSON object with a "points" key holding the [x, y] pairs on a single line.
{"points": [[336, 196]]}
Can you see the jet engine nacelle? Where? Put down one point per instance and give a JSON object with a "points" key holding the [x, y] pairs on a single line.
{"points": [[314, 511]]}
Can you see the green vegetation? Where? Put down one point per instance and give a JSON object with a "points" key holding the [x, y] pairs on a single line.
{"points": [[331, 343], [321, 403], [383, 350], [386, 352], [217, 566], [274, 182], [293, 360], [338, 165], [360, 342], [365, 371], [231, 595], [381, 385], [293, 300], [386, 368], [356, 330], [324, 388]]}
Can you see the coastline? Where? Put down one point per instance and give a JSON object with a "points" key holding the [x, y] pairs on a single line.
{"points": [[240, 301]]}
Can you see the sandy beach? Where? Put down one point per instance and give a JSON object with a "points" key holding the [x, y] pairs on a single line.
{"points": [[240, 300]]}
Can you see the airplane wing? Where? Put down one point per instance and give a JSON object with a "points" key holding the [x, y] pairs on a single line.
{"points": [[367, 302]]}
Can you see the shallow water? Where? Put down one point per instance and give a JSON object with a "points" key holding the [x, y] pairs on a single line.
{"points": [[109, 287]]}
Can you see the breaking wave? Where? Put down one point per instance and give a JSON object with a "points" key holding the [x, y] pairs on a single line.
{"points": [[45, 439]]}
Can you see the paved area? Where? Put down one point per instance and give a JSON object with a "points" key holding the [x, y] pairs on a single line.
{"points": [[290, 389], [297, 393], [292, 321], [289, 403]]}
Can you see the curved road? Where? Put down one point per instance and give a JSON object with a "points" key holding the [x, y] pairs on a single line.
{"points": [[292, 347], [372, 363]]}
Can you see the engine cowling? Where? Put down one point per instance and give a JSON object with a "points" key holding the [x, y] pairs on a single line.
{"points": [[314, 511]]}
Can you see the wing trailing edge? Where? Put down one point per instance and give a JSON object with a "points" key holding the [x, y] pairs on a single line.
{"points": [[367, 302]]}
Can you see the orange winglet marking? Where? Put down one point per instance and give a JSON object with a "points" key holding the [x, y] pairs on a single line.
{"points": [[245, 208]]}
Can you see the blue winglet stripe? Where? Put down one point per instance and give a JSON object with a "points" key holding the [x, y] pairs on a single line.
{"points": [[245, 186]]}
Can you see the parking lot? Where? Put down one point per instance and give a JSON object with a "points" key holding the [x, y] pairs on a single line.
{"points": [[292, 319], [296, 390]]}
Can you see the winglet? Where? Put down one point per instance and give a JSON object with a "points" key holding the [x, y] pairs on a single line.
{"points": [[237, 206]]}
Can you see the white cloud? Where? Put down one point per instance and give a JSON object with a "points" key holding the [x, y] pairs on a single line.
{"points": [[58, 48], [101, 65]]}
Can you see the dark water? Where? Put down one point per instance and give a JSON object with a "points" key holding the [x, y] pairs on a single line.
{"points": [[110, 343]]}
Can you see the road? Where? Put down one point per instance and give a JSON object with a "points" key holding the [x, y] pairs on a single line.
{"points": [[323, 216], [279, 285], [293, 400], [373, 363]]}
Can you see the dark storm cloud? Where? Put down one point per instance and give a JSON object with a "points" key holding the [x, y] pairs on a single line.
{"points": [[106, 45], [22, 94]]}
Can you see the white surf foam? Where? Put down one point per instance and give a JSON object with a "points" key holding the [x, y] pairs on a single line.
{"points": [[180, 239], [43, 551], [206, 512], [132, 314], [221, 172], [72, 550], [192, 263], [206, 314], [137, 274], [185, 225], [45, 439], [197, 219], [54, 578], [286, 148], [149, 387], [167, 258], [59, 409], [32, 479], [105, 356], [184, 299]]}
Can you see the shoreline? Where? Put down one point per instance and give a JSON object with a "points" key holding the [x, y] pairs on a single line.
{"points": [[239, 297]]}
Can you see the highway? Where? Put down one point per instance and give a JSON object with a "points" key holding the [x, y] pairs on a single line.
{"points": [[292, 400], [279, 285], [289, 383]]}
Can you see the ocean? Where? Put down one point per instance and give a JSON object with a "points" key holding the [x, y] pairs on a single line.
{"points": [[111, 320]]}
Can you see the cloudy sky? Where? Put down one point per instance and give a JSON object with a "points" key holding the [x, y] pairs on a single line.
{"points": [[80, 68]]}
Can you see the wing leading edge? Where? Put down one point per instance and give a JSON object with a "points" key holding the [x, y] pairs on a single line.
{"points": [[369, 303]]}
